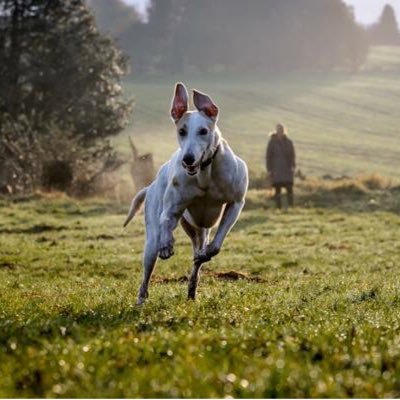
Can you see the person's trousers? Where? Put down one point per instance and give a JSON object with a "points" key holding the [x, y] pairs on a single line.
{"points": [[278, 193]]}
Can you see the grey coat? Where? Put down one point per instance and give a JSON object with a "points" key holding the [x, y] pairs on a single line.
{"points": [[280, 159]]}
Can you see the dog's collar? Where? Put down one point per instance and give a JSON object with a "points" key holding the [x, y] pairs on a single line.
{"points": [[206, 163]]}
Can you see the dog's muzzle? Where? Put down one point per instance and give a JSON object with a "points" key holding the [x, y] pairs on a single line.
{"points": [[191, 169]]}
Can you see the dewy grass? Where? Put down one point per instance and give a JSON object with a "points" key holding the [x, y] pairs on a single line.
{"points": [[315, 311], [315, 308]]}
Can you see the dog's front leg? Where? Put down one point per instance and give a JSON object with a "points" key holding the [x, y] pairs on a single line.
{"points": [[229, 218], [173, 209], [168, 222]]}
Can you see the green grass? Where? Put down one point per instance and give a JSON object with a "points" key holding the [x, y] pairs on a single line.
{"points": [[316, 315], [317, 311], [341, 123]]}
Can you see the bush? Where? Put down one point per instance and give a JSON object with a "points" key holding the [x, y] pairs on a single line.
{"points": [[30, 160]]}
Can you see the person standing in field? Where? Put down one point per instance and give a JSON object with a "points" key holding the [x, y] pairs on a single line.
{"points": [[281, 164]]}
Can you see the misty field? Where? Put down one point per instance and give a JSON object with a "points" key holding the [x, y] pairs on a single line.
{"points": [[302, 303], [341, 123]]}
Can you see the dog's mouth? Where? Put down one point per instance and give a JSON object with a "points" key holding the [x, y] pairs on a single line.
{"points": [[191, 170]]}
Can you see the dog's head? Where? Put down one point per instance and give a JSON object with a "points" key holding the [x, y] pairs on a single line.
{"points": [[197, 133]]}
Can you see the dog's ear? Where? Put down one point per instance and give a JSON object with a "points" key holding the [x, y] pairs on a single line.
{"points": [[205, 104], [180, 102]]}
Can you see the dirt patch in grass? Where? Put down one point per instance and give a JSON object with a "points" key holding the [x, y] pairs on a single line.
{"points": [[165, 280], [44, 239], [235, 276], [338, 246], [223, 275], [8, 265], [39, 228], [105, 237], [366, 295]]}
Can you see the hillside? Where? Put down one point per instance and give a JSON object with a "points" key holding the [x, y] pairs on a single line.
{"points": [[342, 123]]}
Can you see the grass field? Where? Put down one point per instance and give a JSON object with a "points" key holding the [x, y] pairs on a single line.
{"points": [[315, 313], [304, 303], [341, 123]]}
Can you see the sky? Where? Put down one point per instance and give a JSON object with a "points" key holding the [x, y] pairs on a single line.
{"points": [[366, 11]]}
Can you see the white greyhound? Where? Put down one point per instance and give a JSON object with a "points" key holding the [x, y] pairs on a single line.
{"points": [[204, 182]]}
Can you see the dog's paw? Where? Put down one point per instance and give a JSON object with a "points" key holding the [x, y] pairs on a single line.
{"points": [[212, 250], [140, 301], [206, 255], [166, 252], [201, 257]]}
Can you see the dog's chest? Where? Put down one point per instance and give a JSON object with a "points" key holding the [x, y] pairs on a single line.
{"points": [[214, 192], [206, 210]]}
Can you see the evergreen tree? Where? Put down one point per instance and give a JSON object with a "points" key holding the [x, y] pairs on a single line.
{"points": [[56, 67], [61, 92], [113, 17], [386, 31]]}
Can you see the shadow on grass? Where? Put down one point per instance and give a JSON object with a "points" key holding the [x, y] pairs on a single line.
{"points": [[65, 206], [348, 198], [39, 228], [374, 201], [67, 322]]}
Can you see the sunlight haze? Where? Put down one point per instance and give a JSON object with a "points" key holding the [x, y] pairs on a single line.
{"points": [[366, 11]]}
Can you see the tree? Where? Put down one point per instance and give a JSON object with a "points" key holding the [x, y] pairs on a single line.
{"points": [[157, 45], [271, 35], [61, 77], [113, 17], [164, 35], [264, 35], [386, 30]]}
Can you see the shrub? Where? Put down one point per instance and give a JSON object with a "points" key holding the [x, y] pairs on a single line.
{"points": [[56, 160]]}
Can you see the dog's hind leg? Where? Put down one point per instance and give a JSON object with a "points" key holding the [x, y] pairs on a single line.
{"points": [[199, 237], [149, 262], [194, 280], [151, 248]]}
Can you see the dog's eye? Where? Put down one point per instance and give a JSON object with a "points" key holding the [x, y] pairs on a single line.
{"points": [[182, 132], [203, 131]]}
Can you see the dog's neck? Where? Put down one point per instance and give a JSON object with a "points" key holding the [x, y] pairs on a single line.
{"points": [[210, 159], [204, 175]]}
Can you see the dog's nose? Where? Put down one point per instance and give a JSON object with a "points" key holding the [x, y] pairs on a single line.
{"points": [[189, 159]]}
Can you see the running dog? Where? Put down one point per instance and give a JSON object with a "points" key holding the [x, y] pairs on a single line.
{"points": [[202, 185]]}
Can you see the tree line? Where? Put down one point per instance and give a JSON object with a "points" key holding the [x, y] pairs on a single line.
{"points": [[263, 35], [386, 30]]}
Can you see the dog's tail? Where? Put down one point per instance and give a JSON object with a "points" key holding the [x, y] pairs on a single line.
{"points": [[135, 205]]}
